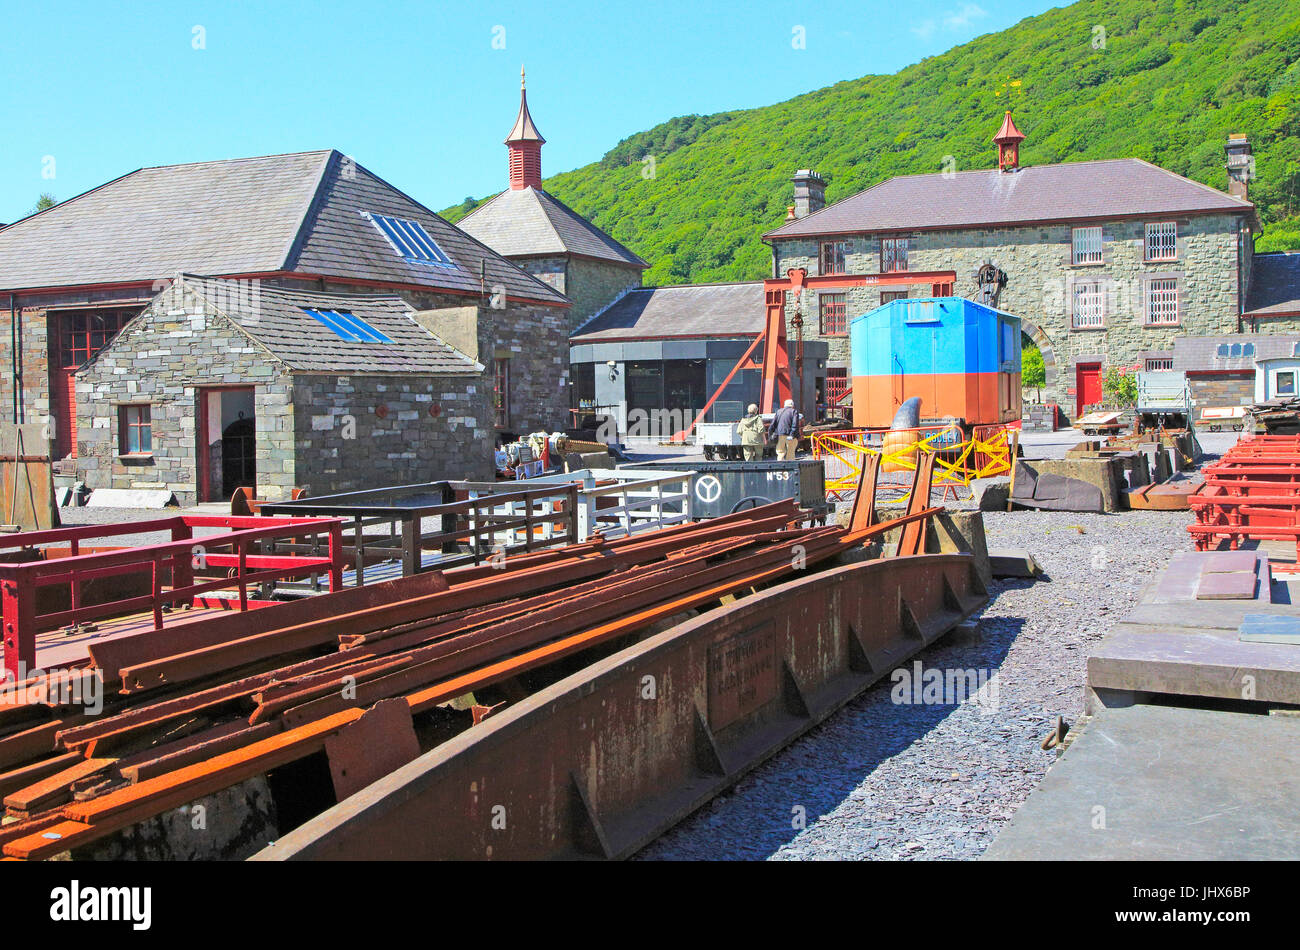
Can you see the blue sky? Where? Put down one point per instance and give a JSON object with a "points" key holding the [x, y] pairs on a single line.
{"points": [[422, 93]]}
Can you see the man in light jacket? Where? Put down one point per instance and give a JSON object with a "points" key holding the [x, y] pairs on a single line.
{"points": [[786, 428], [752, 433]]}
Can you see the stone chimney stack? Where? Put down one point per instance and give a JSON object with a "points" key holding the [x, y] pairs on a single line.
{"points": [[1240, 165], [809, 192]]}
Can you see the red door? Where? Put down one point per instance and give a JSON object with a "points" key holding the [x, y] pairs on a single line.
{"points": [[65, 413], [1087, 382]]}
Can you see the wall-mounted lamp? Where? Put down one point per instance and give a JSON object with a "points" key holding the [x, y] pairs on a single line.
{"points": [[613, 369]]}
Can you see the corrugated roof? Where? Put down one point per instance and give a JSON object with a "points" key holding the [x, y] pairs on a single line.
{"points": [[529, 221], [688, 310], [300, 212], [1274, 284], [275, 317], [990, 198]]}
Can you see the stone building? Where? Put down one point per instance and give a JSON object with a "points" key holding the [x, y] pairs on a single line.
{"points": [[548, 239], [72, 277], [1105, 262], [218, 384]]}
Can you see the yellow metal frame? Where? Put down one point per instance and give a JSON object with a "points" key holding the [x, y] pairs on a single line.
{"points": [[959, 460]]}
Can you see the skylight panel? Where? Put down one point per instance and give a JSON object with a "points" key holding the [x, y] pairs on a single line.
{"points": [[410, 240], [348, 326]]}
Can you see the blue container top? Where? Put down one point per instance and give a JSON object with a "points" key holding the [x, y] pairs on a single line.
{"points": [[934, 335]]}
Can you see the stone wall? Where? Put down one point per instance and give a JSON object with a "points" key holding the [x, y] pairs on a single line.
{"points": [[33, 315], [593, 285], [1041, 278], [1222, 389], [162, 359], [356, 432]]}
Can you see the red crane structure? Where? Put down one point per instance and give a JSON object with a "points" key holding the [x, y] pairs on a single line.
{"points": [[776, 356]]}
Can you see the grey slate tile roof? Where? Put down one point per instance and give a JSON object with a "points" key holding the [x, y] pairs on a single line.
{"points": [[1200, 353], [299, 212], [1274, 283], [274, 317], [530, 221], [989, 198], [689, 310]]}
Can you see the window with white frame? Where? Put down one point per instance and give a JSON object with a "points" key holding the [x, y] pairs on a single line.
{"points": [[1162, 302], [1160, 364], [1162, 241], [1087, 245], [893, 255], [1089, 306], [832, 258]]}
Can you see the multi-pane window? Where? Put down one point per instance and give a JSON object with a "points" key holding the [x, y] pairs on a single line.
{"points": [[1160, 364], [837, 384], [887, 295], [348, 326], [85, 333], [410, 240], [832, 258], [134, 430], [1162, 241], [1162, 301], [893, 255], [834, 309], [1089, 306], [1087, 245], [501, 393]]}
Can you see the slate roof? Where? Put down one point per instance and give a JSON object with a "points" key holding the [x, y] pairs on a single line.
{"points": [[1201, 353], [529, 221], [299, 212], [1274, 284], [275, 318], [1071, 191], [688, 310]]}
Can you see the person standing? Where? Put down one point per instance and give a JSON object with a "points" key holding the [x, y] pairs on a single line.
{"points": [[786, 427], [752, 432]]}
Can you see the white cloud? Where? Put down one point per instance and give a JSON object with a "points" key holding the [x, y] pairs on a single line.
{"points": [[967, 14], [924, 29]]}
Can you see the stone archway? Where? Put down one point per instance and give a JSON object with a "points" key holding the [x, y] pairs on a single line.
{"points": [[1044, 344]]}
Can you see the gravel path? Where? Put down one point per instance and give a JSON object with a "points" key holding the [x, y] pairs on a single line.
{"points": [[887, 781]]}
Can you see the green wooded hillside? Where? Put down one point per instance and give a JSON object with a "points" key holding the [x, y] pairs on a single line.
{"points": [[1167, 82]]}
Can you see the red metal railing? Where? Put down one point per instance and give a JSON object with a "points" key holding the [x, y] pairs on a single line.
{"points": [[182, 555]]}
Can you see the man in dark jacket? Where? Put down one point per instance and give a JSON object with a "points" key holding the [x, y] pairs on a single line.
{"points": [[786, 429]]}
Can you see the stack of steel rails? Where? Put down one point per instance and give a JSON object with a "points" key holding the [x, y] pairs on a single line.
{"points": [[200, 708]]}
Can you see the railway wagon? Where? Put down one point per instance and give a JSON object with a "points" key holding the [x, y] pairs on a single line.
{"points": [[960, 357]]}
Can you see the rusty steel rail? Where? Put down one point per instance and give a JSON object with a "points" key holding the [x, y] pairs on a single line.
{"points": [[232, 700], [597, 766]]}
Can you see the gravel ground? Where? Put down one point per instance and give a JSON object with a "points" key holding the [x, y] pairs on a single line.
{"points": [[881, 780]]}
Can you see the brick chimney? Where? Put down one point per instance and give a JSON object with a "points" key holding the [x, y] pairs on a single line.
{"points": [[1240, 165], [809, 192]]}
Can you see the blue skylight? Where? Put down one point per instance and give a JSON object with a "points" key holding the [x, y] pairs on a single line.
{"points": [[348, 326], [410, 240]]}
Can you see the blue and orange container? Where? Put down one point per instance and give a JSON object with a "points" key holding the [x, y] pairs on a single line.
{"points": [[962, 358]]}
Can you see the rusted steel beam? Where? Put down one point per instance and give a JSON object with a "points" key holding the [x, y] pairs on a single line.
{"points": [[85, 822], [732, 687]]}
